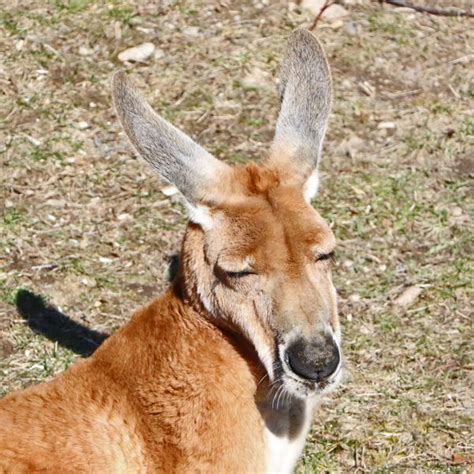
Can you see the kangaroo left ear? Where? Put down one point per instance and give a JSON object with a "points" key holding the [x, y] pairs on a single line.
{"points": [[305, 94], [168, 150]]}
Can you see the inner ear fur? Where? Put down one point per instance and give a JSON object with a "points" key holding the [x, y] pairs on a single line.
{"points": [[169, 151], [305, 95]]}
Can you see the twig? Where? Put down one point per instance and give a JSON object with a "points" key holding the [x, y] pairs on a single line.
{"points": [[326, 5], [451, 11]]}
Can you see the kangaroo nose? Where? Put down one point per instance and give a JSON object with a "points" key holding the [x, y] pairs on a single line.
{"points": [[313, 361]]}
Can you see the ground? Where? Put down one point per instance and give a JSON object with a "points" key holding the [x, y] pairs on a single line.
{"points": [[85, 224]]}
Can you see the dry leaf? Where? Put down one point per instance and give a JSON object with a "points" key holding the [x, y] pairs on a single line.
{"points": [[408, 296], [461, 459], [138, 53]]}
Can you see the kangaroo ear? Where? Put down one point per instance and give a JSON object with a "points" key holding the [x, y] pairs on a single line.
{"points": [[305, 95], [171, 152]]}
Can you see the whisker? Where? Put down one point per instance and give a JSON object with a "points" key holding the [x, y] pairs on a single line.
{"points": [[283, 396], [262, 379], [289, 396], [272, 387], [276, 395], [276, 382], [274, 391]]}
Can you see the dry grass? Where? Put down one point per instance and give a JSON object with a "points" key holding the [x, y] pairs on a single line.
{"points": [[84, 223]]}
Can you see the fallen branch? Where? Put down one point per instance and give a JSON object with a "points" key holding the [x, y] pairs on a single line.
{"points": [[326, 5], [452, 11]]}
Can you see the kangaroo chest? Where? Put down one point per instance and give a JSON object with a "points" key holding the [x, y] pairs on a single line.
{"points": [[285, 433]]}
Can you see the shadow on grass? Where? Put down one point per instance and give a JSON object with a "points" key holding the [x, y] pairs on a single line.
{"points": [[49, 322]]}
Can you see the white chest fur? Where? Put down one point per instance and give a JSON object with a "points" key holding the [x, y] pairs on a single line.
{"points": [[285, 434]]}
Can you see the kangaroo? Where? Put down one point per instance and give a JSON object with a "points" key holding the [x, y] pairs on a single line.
{"points": [[221, 373]]}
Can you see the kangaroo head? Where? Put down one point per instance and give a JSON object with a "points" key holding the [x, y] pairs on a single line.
{"points": [[256, 255]]}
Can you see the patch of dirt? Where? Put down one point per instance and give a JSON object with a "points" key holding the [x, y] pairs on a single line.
{"points": [[7, 347], [465, 166]]}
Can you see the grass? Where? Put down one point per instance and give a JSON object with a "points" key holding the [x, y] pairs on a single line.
{"points": [[85, 224]]}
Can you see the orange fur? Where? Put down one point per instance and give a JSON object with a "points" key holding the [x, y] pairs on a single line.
{"points": [[190, 383], [171, 391], [150, 399]]}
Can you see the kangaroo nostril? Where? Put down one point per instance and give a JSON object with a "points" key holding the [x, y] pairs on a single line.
{"points": [[313, 362]]}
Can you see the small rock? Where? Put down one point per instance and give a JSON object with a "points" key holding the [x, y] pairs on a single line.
{"points": [[57, 203], [82, 125], [366, 330], [352, 145], [33, 141], [117, 31], [292, 6], [346, 84], [408, 296], [147, 31], [335, 13], [138, 53], [332, 14], [169, 190], [367, 88], [84, 51], [136, 20], [256, 79], [456, 212], [89, 282], [159, 53], [351, 28], [406, 438], [191, 31], [387, 126], [124, 219], [94, 202], [349, 317], [335, 25], [355, 298]]}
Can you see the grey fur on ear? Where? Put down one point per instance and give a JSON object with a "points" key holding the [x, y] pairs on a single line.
{"points": [[171, 152], [305, 94]]}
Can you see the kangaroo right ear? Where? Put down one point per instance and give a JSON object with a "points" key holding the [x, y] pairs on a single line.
{"points": [[171, 152], [305, 94]]}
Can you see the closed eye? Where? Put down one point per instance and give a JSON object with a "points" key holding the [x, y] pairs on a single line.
{"points": [[325, 256], [239, 274]]}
